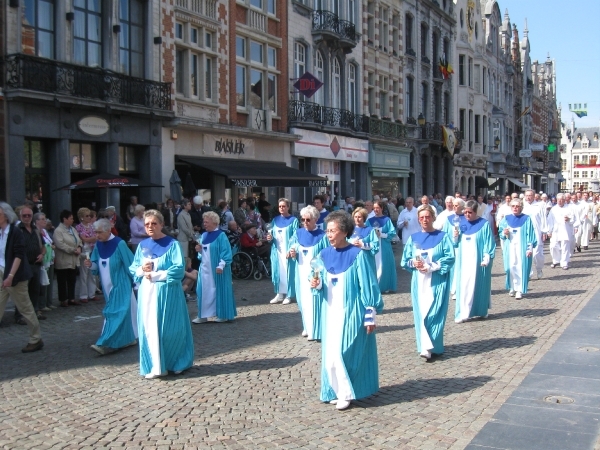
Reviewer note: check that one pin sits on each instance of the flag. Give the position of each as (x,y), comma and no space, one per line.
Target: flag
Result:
(449,139)
(526,111)
(580,114)
(445,67)
(578,110)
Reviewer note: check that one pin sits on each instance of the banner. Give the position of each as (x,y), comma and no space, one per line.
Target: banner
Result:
(449,139)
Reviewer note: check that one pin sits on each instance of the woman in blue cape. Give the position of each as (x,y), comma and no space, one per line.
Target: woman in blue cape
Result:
(385,263)
(475,253)
(110,260)
(164,330)
(518,237)
(350,299)
(364,235)
(282,267)
(215,287)
(307,243)
(429,255)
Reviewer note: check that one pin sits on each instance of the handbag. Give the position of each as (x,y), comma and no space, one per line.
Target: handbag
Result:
(44,280)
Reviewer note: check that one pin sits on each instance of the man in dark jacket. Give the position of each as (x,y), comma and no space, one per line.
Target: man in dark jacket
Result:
(117,222)
(15,274)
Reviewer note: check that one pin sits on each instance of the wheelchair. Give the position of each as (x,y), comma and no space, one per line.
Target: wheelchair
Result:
(246,263)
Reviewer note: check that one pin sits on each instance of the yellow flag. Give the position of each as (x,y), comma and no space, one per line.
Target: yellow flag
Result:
(449,140)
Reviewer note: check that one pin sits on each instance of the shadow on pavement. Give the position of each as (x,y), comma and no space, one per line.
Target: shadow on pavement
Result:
(536,295)
(566,275)
(413,390)
(210,369)
(522,313)
(484,346)
(387,328)
(399,309)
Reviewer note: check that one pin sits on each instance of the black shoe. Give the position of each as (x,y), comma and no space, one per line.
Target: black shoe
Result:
(585,248)
(579,248)
(29,348)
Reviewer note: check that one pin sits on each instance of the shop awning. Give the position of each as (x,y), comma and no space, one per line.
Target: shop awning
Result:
(495,184)
(245,173)
(481,182)
(518,183)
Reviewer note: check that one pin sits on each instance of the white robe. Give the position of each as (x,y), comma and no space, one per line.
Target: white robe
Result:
(413,223)
(537,212)
(561,241)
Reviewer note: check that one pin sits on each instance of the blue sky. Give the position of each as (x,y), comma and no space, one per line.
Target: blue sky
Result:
(570,33)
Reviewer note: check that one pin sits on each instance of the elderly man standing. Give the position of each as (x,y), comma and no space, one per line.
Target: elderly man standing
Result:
(537,213)
(442,217)
(15,274)
(586,212)
(408,221)
(562,221)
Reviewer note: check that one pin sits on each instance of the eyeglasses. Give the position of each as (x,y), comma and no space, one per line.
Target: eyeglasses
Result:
(151,224)
(25,215)
(305,220)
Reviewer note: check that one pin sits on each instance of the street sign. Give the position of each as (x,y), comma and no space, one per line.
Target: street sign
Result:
(525,153)
(524,169)
(537,147)
(308,84)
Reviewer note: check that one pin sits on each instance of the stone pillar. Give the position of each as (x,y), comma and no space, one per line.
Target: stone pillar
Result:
(60,175)
(107,160)
(150,169)
(15,173)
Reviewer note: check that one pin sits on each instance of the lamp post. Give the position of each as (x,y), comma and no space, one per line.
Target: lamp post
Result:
(421,121)
(497,142)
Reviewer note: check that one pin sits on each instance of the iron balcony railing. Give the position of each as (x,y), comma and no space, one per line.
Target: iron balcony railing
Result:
(386,128)
(44,75)
(328,21)
(433,131)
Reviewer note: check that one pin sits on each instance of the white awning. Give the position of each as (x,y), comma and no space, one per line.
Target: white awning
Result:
(518,183)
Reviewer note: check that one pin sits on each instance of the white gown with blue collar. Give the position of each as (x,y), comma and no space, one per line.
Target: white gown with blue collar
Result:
(429,291)
(349,368)
(308,244)
(321,219)
(517,265)
(476,244)
(385,263)
(283,268)
(165,333)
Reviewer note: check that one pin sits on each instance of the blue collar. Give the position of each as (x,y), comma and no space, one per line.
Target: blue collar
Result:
(516,221)
(283,222)
(378,222)
(473,227)
(338,260)
(106,249)
(158,246)
(361,232)
(309,238)
(428,240)
(322,216)
(208,237)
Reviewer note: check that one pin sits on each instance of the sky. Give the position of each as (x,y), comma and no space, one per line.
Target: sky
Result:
(569,31)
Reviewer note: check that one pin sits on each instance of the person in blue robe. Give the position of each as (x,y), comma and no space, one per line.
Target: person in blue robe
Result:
(451,224)
(385,263)
(164,330)
(350,300)
(305,244)
(214,289)
(364,235)
(475,251)
(519,238)
(429,255)
(111,259)
(282,266)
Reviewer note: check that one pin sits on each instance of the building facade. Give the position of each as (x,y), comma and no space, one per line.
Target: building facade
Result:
(580,159)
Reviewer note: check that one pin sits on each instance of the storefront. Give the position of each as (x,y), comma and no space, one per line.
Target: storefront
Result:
(389,170)
(342,160)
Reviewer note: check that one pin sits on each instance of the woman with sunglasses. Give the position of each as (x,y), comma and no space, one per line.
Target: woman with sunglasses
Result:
(87,281)
(282,266)
(475,250)
(429,255)
(305,244)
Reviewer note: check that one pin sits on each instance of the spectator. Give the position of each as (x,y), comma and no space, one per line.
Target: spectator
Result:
(263,208)
(68,248)
(250,242)
(190,276)
(117,222)
(225,215)
(241,214)
(133,201)
(48,262)
(233,233)
(319,203)
(136,227)
(86,284)
(185,227)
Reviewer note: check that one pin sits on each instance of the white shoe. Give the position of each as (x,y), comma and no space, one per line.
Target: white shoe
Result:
(453,296)
(199,320)
(333,402)
(304,333)
(287,301)
(278,299)
(99,349)
(151,376)
(518,296)
(511,293)
(342,404)
(460,320)
(178,372)
(540,274)
(426,354)
(217,320)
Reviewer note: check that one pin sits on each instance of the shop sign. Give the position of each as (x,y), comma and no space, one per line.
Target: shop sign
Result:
(228,147)
(235,147)
(537,147)
(243,182)
(93,126)
(525,153)
(314,144)
(317,183)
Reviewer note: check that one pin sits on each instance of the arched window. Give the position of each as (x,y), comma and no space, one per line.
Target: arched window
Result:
(336,84)
(352,102)
(299,64)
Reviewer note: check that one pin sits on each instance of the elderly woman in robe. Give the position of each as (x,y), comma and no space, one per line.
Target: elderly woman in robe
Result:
(165,334)
(350,300)
(282,267)
(305,244)
(385,262)
(111,259)
(429,255)
(215,287)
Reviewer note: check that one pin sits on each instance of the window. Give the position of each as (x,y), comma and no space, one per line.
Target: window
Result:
(584,159)
(477,129)
(437,104)
(194,35)
(447,107)
(575,159)
(256,3)
(584,145)
(484,81)
(319,96)
(87,33)
(256,52)
(477,78)
(408,32)
(240,86)
(424,99)
(352,11)
(194,75)
(395,33)
(371,23)
(384,32)
(127,159)
(576,174)
(208,79)
(82,156)
(35,172)
(38,28)
(424,40)
(371,92)
(131,38)
(352,103)
(179,70)
(208,40)
(462,121)
(240,47)
(195,64)
(271,7)
(470,72)
(336,84)
(471,131)
(395,102)
(271,57)
(299,64)
(461,70)
(256,82)
(409,102)
(384,107)
(584,174)
(435,42)
(179,30)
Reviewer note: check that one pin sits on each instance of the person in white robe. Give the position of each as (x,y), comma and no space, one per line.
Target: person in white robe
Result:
(283,267)
(562,221)
(350,301)
(537,213)
(429,255)
(408,222)
(111,259)
(164,330)
(503,209)
(586,217)
(306,243)
(475,252)
(581,209)
(442,217)
(214,289)
(519,240)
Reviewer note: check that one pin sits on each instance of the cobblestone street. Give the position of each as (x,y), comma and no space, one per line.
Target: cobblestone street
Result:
(255,382)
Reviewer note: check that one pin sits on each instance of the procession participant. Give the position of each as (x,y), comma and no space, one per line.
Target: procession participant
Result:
(111,259)
(214,290)
(519,238)
(453,222)
(319,203)
(164,331)
(407,220)
(385,263)
(587,214)
(475,253)
(350,299)
(562,222)
(429,255)
(369,208)
(504,208)
(442,217)
(364,235)
(306,243)
(537,213)
(282,268)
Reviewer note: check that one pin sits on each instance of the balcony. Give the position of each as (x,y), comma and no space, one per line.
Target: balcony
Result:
(513,161)
(207,8)
(432,131)
(338,33)
(386,128)
(306,113)
(24,72)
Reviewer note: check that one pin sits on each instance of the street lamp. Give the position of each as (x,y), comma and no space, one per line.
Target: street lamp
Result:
(497,142)
(421,119)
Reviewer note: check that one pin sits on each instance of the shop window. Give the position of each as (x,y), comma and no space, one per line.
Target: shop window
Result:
(82,156)
(127,159)
(35,173)
(37,36)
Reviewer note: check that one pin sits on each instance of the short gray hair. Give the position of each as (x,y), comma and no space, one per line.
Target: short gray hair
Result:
(154,213)
(37,216)
(472,204)
(311,211)
(11,217)
(212,217)
(139,208)
(102,225)
(343,221)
